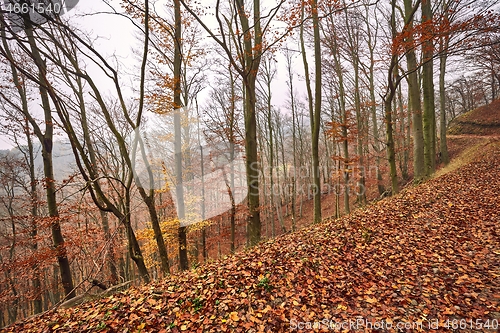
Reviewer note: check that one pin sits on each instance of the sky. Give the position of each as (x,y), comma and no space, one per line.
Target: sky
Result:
(118,41)
(115,39)
(119,37)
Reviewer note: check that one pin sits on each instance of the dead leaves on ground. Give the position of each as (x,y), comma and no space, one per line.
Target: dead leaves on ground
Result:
(431,254)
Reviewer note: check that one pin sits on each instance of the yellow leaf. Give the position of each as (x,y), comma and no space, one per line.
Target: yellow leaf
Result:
(448,311)
(234,316)
(295,303)
(141,326)
(341,307)
(371,300)
(184,328)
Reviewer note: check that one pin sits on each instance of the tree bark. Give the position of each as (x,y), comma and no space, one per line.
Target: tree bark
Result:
(46,140)
(317,113)
(391,91)
(373,105)
(443,45)
(183,257)
(414,97)
(354,50)
(429,119)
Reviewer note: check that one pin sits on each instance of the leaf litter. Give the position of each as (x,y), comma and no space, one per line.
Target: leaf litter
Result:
(428,255)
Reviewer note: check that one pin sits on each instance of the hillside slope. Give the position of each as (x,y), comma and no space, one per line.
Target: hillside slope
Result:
(428,258)
(484,120)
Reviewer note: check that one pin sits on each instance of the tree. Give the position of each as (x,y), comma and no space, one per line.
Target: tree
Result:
(354,48)
(429,113)
(414,92)
(224,128)
(61,46)
(392,82)
(316,116)
(183,258)
(343,123)
(248,38)
(293,107)
(444,42)
(371,33)
(44,135)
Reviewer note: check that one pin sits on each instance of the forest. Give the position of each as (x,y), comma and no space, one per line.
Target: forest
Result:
(193,130)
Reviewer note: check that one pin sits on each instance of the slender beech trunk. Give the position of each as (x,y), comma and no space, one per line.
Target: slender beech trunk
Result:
(30,161)
(268,78)
(317,113)
(252,58)
(405,149)
(443,46)
(37,301)
(344,124)
(183,256)
(46,140)
(232,216)
(110,261)
(310,100)
(149,197)
(353,40)
(281,196)
(373,105)
(48,167)
(414,96)
(429,119)
(294,142)
(232,143)
(391,91)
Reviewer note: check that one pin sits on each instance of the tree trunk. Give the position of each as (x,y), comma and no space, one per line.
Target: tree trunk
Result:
(405,148)
(391,154)
(48,168)
(294,143)
(252,58)
(414,97)
(429,119)
(391,91)
(252,165)
(442,100)
(373,111)
(317,114)
(353,40)
(183,256)
(267,70)
(343,121)
(111,257)
(135,250)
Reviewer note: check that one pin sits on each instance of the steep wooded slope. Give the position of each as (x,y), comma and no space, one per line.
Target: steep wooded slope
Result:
(428,256)
(484,120)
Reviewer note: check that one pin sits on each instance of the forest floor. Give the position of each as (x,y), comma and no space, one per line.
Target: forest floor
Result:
(427,259)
